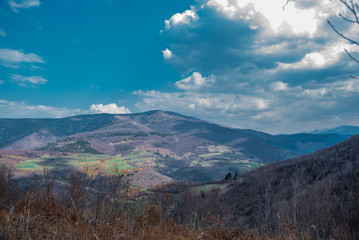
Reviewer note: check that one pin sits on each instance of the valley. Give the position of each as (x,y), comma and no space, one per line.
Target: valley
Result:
(169,144)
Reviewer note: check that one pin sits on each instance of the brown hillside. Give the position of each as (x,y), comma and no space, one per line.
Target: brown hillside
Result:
(316,193)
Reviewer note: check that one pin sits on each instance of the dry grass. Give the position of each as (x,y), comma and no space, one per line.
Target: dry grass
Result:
(103,209)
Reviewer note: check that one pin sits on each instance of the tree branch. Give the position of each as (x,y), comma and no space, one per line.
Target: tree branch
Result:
(352,9)
(342,35)
(286,3)
(351,56)
(347,19)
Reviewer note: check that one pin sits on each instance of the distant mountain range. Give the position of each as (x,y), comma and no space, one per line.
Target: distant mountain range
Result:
(179,146)
(343,130)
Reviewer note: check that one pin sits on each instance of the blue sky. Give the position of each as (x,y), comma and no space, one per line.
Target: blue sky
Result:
(240,63)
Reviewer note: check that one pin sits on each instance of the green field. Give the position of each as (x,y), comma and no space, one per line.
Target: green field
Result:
(89,162)
(221,157)
(32,164)
(215,151)
(105,163)
(140,158)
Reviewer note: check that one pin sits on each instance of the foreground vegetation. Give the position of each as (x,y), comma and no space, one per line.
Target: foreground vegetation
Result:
(104,207)
(95,207)
(312,197)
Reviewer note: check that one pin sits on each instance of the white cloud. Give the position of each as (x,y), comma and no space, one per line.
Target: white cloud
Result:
(329,55)
(279,86)
(109,108)
(275,48)
(167,54)
(274,108)
(282,36)
(275,70)
(200,102)
(351,85)
(292,20)
(195,81)
(315,93)
(10,58)
(23,81)
(2,32)
(33,67)
(224,6)
(23,4)
(1,82)
(12,109)
(187,17)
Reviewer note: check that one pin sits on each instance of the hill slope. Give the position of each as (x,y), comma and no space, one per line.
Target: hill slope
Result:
(317,193)
(177,146)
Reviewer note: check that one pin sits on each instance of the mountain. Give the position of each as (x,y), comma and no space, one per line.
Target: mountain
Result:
(317,193)
(343,130)
(177,146)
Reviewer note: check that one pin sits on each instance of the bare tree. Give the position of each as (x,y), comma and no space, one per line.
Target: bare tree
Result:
(49,180)
(295,185)
(6,174)
(352,18)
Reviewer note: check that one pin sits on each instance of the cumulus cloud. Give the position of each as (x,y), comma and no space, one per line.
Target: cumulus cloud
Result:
(15,4)
(11,58)
(229,34)
(195,82)
(109,108)
(185,18)
(276,108)
(24,81)
(259,66)
(167,54)
(279,86)
(297,18)
(331,54)
(13,109)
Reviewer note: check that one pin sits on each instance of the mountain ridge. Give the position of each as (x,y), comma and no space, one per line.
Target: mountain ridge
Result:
(178,146)
(343,130)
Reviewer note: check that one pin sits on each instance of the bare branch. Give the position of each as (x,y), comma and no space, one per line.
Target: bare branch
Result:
(352,9)
(347,19)
(286,3)
(342,35)
(351,56)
